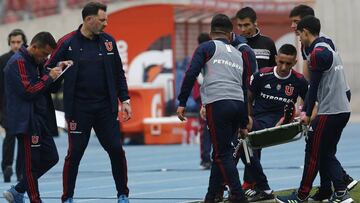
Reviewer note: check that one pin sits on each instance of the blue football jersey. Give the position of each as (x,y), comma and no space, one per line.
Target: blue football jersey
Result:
(271,93)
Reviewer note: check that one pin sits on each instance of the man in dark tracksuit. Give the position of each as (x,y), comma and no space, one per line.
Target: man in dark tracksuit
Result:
(249,58)
(328,86)
(271,89)
(15,39)
(223,93)
(265,52)
(92,88)
(263,46)
(31,115)
(324,191)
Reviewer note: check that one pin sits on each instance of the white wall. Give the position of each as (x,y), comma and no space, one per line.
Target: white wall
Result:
(340,20)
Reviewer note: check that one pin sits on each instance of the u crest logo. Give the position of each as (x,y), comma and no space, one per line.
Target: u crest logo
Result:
(72,125)
(34,139)
(109,46)
(289,90)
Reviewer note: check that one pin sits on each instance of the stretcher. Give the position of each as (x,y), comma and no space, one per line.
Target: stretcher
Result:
(276,135)
(270,137)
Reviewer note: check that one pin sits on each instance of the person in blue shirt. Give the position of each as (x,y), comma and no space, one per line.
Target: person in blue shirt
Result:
(224,95)
(328,86)
(31,114)
(271,89)
(93,87)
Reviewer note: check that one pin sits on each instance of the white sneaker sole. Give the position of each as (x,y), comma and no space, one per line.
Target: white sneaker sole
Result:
(352,185)
(311,200)
(9,197)
(348,201)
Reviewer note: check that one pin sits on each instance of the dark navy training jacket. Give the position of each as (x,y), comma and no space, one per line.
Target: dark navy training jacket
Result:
(70,47)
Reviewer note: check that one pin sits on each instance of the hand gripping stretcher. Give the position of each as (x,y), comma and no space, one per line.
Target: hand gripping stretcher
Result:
(269,137)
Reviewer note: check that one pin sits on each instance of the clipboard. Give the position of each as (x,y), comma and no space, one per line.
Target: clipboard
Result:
(63,71)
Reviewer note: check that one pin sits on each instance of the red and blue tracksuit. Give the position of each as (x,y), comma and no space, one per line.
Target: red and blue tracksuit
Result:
(31,117)
(329,87)
(224,95)
(249,58)
(325,181)
(92,88)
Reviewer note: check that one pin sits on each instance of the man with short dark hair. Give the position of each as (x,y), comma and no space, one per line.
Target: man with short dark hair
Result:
(28,86)
(324,192)
(16,38)
(265,52)
(224,95)
(263,46)
(90,104)
(328,87)
(270,90)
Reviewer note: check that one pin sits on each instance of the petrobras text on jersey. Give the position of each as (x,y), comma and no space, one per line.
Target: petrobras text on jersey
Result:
(339,67)
(227,63)
(282,99)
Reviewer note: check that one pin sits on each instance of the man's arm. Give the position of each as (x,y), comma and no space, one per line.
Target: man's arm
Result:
(247,72)
(59,53)
(248,54)
(251,99)
(56,56)
(306,71)
(18,78)
(321,60)
(198,61)
(249,59)
(122,87)
(304,87)
(201,55)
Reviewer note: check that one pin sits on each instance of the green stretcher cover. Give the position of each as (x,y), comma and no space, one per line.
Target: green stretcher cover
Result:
(276,135)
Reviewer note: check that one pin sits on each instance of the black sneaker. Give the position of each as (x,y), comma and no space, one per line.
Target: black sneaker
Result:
(7,174)
(350,182)
(341,198)
(249,193)
(260,195)
(321,195)
(205,165)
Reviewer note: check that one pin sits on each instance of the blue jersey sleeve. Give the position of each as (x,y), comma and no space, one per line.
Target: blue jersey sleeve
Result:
(250,63)
(56,56)
(59,53)
(255,83)
(303,88)
(321,60)
(18,77)
(201,55)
